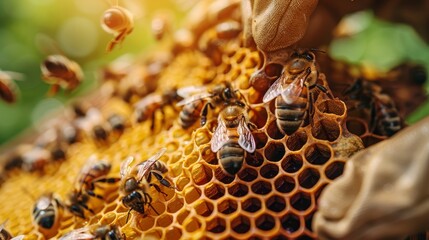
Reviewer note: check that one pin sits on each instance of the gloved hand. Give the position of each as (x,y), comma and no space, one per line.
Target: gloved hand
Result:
(383,193)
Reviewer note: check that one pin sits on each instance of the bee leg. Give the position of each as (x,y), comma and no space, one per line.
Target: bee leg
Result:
(204,113)
(152,125)
(148,201)
(161,179)
(93,194)
(158,189)
(128,215)
(324,90)
(53,90)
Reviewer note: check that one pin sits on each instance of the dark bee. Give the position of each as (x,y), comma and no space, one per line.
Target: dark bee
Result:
(9,91)
(136,188)
(196,105)
(103,232)
(59,71)
(384,117)
(232,138)
(5,235)
(146,108)
(46,212)
(293,91)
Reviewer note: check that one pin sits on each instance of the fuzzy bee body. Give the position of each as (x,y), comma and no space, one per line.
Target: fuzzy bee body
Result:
(103,232)
(46,212)
(290,116)
(190,113)
(386,117)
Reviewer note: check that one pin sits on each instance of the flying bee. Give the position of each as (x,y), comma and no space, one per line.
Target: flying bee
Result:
(293,91)
(196,105)
(9,91)
(232,137)
(60,71)
(5,235)
(46,212)
(92,173)
(384,116)
(146,108)
(136,188)
(103,232)
(117,21)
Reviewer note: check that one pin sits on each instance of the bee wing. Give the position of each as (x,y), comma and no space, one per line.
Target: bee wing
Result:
(148,100)
(245,139)
(19,237)
(78,234)
(2,225)
(275,89)
(47,45)
(220,136)
(193,98)
(186,92)
(14,75)
(293,90)
(146,165)
(43,202)
(125,166)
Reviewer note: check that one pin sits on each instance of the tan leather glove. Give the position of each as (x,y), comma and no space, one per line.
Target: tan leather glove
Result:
(383,193)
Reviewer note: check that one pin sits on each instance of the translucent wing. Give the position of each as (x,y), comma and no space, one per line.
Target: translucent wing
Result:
(194,98)
(125,166)
(220,136)
(43,202)
(13,75)
(148,100)
(274,90)
(2,225)
(146,165)
(245,139)
(186,92)
(19,237)
(78,234)
(293,90)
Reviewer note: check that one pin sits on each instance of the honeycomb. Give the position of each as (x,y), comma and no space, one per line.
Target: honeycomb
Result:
(274,196)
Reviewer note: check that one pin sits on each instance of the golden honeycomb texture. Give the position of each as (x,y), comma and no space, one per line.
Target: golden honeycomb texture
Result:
(274,196)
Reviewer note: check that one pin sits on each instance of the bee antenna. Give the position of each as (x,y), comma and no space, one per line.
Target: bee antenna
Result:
(317,50)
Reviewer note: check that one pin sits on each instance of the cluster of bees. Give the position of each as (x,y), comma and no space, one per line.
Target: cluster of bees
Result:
(293,91)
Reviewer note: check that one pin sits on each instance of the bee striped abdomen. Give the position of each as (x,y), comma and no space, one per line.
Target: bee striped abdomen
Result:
(45,218)
(289,117)
(389,121)
(190,113)
(231,155)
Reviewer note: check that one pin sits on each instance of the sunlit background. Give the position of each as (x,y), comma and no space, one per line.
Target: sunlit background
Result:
(74,25)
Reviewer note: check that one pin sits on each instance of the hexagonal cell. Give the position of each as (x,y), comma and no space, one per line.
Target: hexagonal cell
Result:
(356,126)
(261,187)
(153,234)
(297,140)
(318,154)
(255,159)
(157,206)
(204,208)
(251,205)
(274,151)
(273,131)
(222,176)
(260,139)
(192,224)
(190,159)
(209,156)
(175,205)
(308,178)
(265,222)
(276,203)
(332,106)
(326,129)
(191,194)
(248,174)
(290,222)
(334,170)
(173,233)
(269,171)
(201,174)
(301,201)
(216,225)
(284,184)
(238,190)
(292,163)
(214,191)
(258,116)
(164,220)
(227,206)
(202,136)
(240,224)
(181,217)
(181,182)
(144,224)
(273,70)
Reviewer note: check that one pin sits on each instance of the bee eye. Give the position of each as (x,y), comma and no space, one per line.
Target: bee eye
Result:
(308,56)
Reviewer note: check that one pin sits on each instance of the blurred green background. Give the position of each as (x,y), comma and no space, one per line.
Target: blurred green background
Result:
(75,26)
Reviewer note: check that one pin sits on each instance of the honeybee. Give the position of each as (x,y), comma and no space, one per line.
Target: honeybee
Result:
(5,235)
(233,137)
(92,173)
(103,232)
(117,21)
(59,71)
(9,91)
(146,108)
(384,116)
(136,188)
(196,105)
(293,91)
(156,168)
(34,158)
(160,25)
(94,125)
(46,212)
